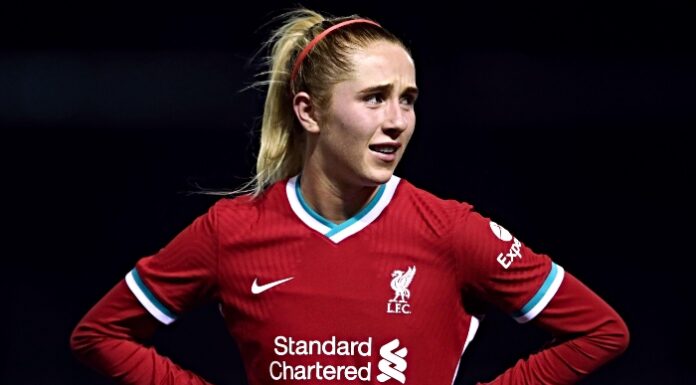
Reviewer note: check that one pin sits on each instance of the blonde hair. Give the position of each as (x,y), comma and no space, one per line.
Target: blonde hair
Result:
(281,153)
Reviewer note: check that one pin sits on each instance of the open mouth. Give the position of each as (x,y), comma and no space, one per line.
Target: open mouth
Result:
(387,148)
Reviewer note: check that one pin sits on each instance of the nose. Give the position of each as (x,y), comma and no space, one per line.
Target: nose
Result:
(397,117)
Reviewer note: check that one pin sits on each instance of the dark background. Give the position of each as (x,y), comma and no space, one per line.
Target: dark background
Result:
(568,124)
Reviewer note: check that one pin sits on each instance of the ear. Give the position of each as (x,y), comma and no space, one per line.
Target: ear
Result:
(305,112)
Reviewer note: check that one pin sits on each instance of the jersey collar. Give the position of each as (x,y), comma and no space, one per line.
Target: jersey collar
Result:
(359,221)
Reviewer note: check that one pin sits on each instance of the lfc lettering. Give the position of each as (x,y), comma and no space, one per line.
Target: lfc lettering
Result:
(394,307)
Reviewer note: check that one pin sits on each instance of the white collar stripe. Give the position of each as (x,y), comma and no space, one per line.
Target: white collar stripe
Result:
(309,209)
(296,206)
(337,233)
(337,228)
(370,216)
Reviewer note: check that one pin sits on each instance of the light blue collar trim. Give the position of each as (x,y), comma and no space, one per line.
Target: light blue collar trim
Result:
(338,232)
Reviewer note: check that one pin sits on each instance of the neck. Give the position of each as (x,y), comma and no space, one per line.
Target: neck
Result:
(333,199)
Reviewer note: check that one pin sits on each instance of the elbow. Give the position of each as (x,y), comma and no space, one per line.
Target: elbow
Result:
(614,336)
(622,336)
(79,341)
(84,340)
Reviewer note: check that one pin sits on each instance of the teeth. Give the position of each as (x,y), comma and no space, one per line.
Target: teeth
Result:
(383,149)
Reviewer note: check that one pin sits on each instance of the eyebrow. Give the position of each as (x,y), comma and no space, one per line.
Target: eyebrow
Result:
(387,88)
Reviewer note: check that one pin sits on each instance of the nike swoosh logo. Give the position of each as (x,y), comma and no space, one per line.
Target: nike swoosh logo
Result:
(257,289)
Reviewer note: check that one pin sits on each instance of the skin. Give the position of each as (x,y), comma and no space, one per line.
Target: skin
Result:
(341,173)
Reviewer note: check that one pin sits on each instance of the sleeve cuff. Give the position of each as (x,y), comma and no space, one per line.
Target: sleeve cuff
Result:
(543,296)
(147,299)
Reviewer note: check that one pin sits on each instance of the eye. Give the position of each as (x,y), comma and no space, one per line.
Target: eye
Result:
(374,99)
(408,100)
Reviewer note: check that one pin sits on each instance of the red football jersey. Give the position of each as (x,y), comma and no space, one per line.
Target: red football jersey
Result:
(369,300)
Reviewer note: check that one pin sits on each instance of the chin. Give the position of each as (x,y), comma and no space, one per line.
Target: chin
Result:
(380,176)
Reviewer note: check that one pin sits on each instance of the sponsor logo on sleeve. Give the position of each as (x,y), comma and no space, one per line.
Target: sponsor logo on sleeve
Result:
(506,259)
(500,232)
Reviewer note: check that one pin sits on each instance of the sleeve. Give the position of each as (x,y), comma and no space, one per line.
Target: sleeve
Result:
(181,275)
(495,266)
(587,333)
(111,337)
(502,270)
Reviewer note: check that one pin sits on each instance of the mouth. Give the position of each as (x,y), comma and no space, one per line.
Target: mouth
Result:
(385,151)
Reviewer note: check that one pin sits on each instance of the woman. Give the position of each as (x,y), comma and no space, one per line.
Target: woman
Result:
(333,269)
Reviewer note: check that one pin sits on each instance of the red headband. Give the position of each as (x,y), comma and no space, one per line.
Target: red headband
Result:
(305,51)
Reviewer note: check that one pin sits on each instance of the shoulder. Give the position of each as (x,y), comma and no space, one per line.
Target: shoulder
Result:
(440,214)
(232,206)
(248,202)
(429,201)
(243,211)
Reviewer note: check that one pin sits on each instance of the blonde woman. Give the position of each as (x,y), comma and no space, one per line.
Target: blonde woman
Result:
(331,269)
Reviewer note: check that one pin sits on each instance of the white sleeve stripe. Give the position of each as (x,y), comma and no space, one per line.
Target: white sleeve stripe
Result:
(542,297)
(141,293)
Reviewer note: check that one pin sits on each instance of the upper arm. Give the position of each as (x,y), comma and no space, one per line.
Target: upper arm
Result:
(181,275)
(495,266)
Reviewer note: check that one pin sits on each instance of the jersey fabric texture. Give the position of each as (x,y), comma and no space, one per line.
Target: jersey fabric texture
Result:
(341,287)
(370,300)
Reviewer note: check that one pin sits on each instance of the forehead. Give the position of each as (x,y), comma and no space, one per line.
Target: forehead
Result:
(382,63)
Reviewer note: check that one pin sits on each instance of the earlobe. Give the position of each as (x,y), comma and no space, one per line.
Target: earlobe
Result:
(305,112)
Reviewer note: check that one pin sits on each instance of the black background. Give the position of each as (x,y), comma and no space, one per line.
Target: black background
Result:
(568,124)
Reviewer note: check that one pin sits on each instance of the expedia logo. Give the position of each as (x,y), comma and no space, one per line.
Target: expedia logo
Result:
(501,233)
(506,259)
(392,364)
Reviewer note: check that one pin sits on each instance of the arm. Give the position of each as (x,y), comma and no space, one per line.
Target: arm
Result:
(497,268)
(177,278)
(110,339)
(588,333)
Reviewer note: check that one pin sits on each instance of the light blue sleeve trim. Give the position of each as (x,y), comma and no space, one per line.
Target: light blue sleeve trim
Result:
(147,299)
(542,297)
